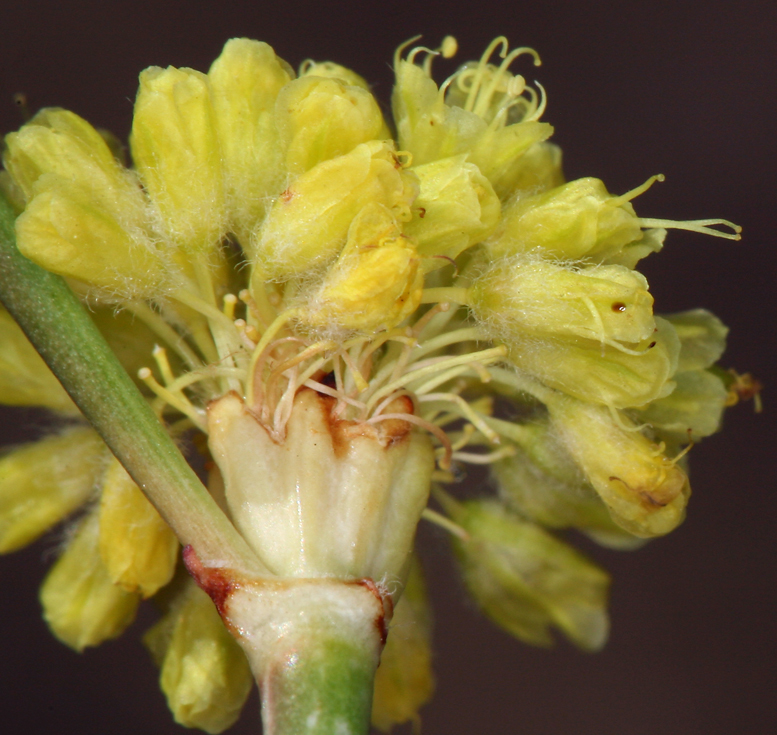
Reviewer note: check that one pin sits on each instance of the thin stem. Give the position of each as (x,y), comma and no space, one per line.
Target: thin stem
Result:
(61,330)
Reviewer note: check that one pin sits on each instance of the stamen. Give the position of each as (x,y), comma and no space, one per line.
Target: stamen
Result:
(419,325)
(466,411)
(702,226)
(280,321)
(165,332)
(634,193)
(176,400)
(327,391)
(241,326)
(490,458)
(443,378)
(445,462)
(490,355)
(616,417)
(390,399)
(296,360)
(539,111)
(401,48)
(484,97)
(230,301)
(261,316)
(444,522)
(466,435)
(355,373)
(160,355)
(482,67)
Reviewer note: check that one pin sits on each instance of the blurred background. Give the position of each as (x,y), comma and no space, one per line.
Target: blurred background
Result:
(634,88)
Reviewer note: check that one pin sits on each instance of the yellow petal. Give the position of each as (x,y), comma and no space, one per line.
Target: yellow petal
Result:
(527,294)
(81,604)
(455,209)
(244,82)
(374,284)
(60,142)
(319,119)
(43,482)
(67,231)
(526,580)
(330,70)
(603,375)
(309,222)
(25,380)
(176,150)
(204,673)
(645,492)
(404,681)
(138,548)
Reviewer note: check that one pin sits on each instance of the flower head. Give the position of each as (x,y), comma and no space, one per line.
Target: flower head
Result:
(342,320)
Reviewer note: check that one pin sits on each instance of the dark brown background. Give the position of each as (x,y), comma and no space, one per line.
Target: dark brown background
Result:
(635,88)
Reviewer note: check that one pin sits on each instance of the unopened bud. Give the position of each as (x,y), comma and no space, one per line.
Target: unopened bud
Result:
(456,208)
(138,548)
(176,150)
(404,681)
(374,284)
(81,604)
(319,119)
(526,580)
(309,222)
(42,483)
(645,491)
(520,295)
(204,673)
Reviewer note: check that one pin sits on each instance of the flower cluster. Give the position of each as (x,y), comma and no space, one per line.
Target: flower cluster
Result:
(339,319)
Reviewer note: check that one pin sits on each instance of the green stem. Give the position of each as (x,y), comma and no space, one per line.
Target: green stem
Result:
(61,330)
(319,689)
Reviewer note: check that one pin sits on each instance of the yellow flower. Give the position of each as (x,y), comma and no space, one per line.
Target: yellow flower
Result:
(327,317)
(204,674)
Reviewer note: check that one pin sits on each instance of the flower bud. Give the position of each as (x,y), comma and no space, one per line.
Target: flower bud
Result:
(319,119)
(374,284)
(694,409)
(12,192)
(138,548)
(334,498)
(245,81)
(65,230)
(81,604)
(498,154)
(176,150)
(25,380)
(422,117)
(526,580)
(542,482)
(330,70)
(481,111)
(645,491)
(309,222)
(204,674)
(702,338)
(404,681)
(60,142)
(43,482)
(576,220)
(456,208)
(537,170)
(599,374)
(606,303)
